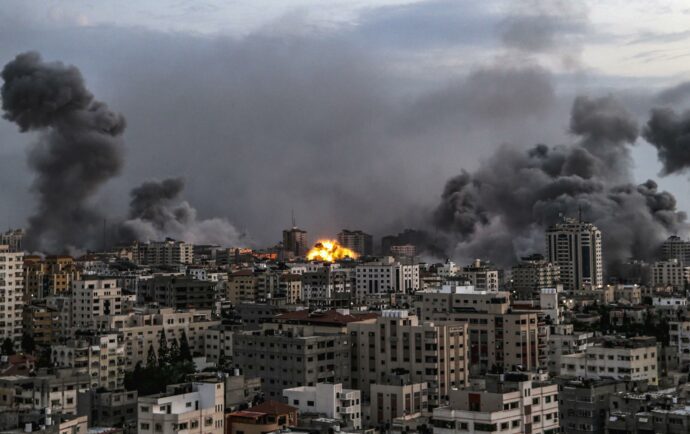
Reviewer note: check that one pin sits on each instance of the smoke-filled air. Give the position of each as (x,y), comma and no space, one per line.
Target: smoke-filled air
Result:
(500,211)
(77,150)
(156,211)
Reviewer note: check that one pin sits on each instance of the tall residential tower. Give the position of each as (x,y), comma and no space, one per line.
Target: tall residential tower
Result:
(575,246)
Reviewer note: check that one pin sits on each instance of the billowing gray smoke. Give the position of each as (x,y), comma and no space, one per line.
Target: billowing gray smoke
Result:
(156,212)
(78,150)
(669,132)
(501,210)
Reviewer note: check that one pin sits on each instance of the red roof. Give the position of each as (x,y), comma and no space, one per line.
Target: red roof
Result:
(273,408)
(329,317)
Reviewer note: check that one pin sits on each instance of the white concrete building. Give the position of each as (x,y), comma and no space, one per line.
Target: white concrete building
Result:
(92,299)
(11,294)
(328,399)
(626,359)
(514,405)
(661,302)
(385,276)
(548,302)
(184,408)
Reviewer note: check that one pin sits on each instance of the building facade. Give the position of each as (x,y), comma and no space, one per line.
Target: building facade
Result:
(575,246)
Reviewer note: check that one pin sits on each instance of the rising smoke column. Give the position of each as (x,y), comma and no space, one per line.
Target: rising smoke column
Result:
(501,210)
(156,211)
(669,133)
(78,150)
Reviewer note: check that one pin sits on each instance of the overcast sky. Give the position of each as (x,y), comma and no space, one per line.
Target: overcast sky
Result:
(351,113)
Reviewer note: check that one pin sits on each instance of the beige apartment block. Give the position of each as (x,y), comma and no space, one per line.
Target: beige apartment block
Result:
(432,352)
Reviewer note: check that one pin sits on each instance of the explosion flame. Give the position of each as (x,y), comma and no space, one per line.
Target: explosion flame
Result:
(329,251)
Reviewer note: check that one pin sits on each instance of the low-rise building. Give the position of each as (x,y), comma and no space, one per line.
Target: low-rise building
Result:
(618,358)
(190,408)
(270,416)
(511,404)
(330,400)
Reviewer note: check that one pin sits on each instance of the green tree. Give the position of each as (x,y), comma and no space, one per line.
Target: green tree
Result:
(7,347)
(28,343)
(163,351)
(185,351)
(174,351)
(151,359)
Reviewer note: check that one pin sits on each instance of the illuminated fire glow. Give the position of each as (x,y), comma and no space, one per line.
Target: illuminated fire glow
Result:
(329,251)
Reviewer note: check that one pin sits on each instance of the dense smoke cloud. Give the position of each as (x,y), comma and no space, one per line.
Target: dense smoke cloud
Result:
(669,133)
(500,211)
(156,212)
(78,150)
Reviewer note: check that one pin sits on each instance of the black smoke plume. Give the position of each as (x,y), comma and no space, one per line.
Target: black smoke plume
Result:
(501,210)
(669,133)
(78,149)
(156,211)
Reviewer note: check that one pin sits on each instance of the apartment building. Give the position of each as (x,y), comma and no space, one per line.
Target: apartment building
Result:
(330,400)
(480,275)
(13,239)
(179,292)
(108,407)
(498,336)
(196,407)
(385,276)
(50,276)
(434,353)
(672,272)
(584,404)
(11,294)
(168,252)
(290,288)
(533,273)
(512,403)
(398,401)
(357,241)
(676,248)
(292,356)
(92,299)
(241,287)
(575,246)
(42,323)
(57,391)
(102,358)
(564,340)
(141,330)
(322,287)
(679,341)
(618,358)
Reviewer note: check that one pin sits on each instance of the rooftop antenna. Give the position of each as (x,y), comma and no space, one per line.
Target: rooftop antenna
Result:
(294,225)
(579,213)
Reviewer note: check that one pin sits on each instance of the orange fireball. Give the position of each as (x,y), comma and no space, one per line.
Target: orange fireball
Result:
(329,251)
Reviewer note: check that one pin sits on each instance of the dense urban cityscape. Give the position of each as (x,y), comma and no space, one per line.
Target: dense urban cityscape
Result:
(344,335)
(344,217)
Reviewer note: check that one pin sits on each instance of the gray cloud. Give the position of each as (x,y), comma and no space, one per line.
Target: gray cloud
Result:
(156,211)
(501,210)
(77,152)
(669,133)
